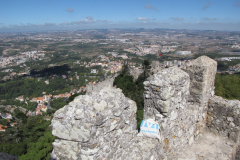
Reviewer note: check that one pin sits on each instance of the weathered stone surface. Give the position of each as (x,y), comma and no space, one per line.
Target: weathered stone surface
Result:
(135,73)
(64,149)
(207,147)
(202,73)
(92,122)
(102,125)
(223,117)
(166,101)
(100,85)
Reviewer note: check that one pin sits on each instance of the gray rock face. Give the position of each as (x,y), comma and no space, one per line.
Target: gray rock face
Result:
(92,125)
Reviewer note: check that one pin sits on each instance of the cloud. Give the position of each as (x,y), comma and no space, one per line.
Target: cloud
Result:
(142,18)
(89,17)
(198,22)
(177,18)
(237,4)
(105,21)
(87,20)
(64,23)
(206,6)
(209,19)
(48,24)
(150,7)
(70,9)
(34,25)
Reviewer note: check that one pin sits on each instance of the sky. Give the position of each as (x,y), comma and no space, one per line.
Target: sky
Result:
(44,15)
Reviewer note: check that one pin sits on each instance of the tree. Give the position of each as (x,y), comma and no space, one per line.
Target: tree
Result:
(108,73)
(58,103)
(4,122)
(41,149)
(133,90)
(125,68)
(22,116)
(227,86)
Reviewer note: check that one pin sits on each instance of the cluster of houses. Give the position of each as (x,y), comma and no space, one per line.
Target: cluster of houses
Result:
(178,63)
(227,58)
(20,58)
(110,66)
(142,50)
(41,101)
(235,68)
(237,46)
(8,117)
(34,54)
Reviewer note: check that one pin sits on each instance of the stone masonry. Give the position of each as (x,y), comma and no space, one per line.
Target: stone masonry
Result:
(92,125)
(223,117)
(102,125)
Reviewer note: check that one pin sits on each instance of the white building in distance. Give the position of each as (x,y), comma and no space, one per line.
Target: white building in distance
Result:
(183,52)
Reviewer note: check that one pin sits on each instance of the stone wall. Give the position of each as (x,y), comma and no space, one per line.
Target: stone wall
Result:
(135,73)
(202,73)
(166,101)
(100,85)
(223,117)
(94,126)
(178,101)
(102,124)
(156,66)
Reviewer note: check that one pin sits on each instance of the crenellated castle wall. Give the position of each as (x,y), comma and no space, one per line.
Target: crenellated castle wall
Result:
(102,125)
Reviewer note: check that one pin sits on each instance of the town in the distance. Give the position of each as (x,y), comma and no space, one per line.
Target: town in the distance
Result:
(41,71)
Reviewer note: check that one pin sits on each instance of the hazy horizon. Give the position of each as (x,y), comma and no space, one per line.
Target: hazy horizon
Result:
(49,15)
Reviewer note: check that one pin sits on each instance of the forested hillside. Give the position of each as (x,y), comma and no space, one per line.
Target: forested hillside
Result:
(30,139)
(228,86)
